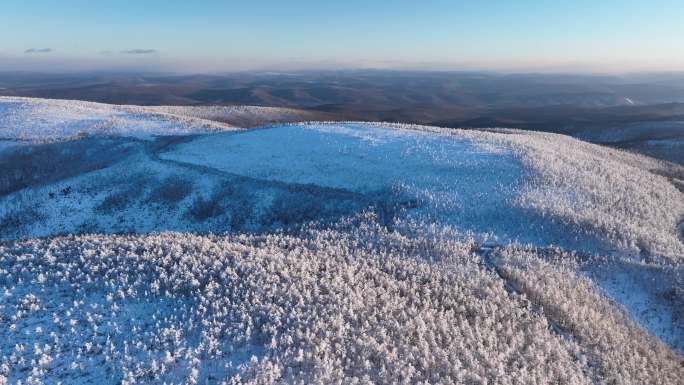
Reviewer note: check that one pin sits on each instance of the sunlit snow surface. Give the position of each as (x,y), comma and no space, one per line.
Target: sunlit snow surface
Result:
(46,119)
(356,157)
(432,178)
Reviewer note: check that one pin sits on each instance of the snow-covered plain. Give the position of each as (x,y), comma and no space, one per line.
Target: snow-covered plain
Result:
(410,267)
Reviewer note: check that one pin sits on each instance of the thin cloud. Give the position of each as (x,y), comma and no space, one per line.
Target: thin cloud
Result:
(38,50)
(139,51)
(105,52)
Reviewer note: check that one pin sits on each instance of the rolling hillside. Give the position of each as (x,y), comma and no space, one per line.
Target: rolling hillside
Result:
(171,244)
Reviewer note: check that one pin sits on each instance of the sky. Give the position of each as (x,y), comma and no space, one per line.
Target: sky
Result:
(214,36)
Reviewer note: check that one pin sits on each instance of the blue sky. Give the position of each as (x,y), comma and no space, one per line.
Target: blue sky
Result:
(214,35)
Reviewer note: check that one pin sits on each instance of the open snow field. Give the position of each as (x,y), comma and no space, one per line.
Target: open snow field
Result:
(430,177)
(346,252)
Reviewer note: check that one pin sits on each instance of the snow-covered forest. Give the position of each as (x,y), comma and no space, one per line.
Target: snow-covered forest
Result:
(169,245)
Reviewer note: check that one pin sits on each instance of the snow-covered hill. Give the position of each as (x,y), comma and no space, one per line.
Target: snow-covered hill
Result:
(532,187)
(52,119)
(453,234)
(240,116)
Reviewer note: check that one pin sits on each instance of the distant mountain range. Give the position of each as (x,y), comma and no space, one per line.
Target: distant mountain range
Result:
(586,106)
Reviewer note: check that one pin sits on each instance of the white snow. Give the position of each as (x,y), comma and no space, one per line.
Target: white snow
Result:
(649,293)
(438,178)
(532,187)
(47,119)
(132,195)
(53,119)
(241,116)
(319,306)
(412,285)
(356,157)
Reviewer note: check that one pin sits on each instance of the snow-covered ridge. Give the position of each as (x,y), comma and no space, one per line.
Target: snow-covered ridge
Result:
(53,119)
(240,116)
(48,119)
